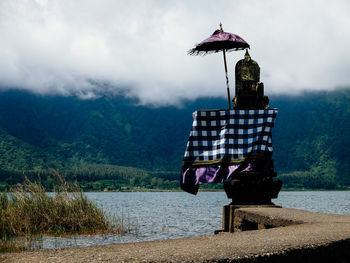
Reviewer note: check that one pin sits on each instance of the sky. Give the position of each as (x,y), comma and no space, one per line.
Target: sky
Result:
(87,48)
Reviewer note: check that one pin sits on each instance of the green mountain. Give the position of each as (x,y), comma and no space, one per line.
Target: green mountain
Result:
(312,137)
(113,138)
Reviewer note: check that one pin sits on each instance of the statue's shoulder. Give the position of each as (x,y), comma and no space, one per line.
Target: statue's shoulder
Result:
(241,61)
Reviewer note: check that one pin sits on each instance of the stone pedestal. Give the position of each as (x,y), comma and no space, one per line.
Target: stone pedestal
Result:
(232,223)
(255,187)
(252,189)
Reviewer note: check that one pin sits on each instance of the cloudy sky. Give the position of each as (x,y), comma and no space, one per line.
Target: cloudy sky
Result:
(67,46)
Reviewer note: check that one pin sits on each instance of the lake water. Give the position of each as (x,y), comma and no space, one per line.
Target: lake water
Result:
(163,215)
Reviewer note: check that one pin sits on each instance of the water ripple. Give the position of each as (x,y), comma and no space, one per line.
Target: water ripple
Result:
(163,215)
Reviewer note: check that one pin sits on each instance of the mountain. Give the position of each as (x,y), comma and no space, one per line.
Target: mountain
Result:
(37,133)
(312,137)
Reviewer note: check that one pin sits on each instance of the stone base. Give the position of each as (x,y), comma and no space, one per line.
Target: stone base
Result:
(257,191)
(231,223)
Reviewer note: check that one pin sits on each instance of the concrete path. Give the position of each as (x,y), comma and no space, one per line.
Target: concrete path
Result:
(298,236)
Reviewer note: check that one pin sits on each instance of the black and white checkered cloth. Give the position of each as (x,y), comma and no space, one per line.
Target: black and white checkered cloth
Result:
(228,135)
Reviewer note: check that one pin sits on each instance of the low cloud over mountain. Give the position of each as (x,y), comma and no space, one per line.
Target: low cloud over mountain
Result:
(66,47)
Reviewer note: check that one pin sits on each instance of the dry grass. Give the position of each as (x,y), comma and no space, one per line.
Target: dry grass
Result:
(27,211)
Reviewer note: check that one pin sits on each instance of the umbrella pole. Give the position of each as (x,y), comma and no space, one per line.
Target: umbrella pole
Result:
(228,88)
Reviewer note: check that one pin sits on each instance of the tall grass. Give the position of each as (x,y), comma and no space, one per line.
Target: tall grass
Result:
(27,210)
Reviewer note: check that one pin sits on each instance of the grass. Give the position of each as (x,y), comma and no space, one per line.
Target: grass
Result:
(28,210)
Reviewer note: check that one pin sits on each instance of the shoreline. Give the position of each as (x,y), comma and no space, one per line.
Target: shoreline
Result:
(214,190)
(282,235)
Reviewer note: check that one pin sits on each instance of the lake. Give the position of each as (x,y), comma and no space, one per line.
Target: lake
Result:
(163,215)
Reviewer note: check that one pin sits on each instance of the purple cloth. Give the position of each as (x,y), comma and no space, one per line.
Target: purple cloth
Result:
(192,177)
(218,174)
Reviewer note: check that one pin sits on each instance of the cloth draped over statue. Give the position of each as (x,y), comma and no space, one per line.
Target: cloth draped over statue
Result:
(222,142)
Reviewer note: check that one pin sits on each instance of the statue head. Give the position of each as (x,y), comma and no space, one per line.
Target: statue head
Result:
(247,57)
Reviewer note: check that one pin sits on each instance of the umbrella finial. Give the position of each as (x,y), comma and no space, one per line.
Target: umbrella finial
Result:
(221,27)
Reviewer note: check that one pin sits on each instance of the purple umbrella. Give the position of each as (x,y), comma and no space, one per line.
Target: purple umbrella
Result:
(220,41)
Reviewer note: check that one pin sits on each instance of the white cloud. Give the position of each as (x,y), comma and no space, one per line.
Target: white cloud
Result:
(59,46)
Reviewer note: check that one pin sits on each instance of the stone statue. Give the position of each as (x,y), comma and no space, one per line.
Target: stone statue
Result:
(247,76)
(249,90)
(255,186)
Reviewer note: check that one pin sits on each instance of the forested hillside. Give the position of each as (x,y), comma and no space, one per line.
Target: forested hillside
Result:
(312,137)
(112,142)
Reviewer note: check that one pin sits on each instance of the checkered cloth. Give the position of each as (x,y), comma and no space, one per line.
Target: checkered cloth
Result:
(228,136)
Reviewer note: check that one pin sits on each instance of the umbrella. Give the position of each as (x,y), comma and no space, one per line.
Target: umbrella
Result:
(220,41)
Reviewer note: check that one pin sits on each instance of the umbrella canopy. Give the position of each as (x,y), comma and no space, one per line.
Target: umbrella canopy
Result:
(220,41)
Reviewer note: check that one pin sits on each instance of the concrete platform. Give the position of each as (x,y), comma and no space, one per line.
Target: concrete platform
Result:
(292,236)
